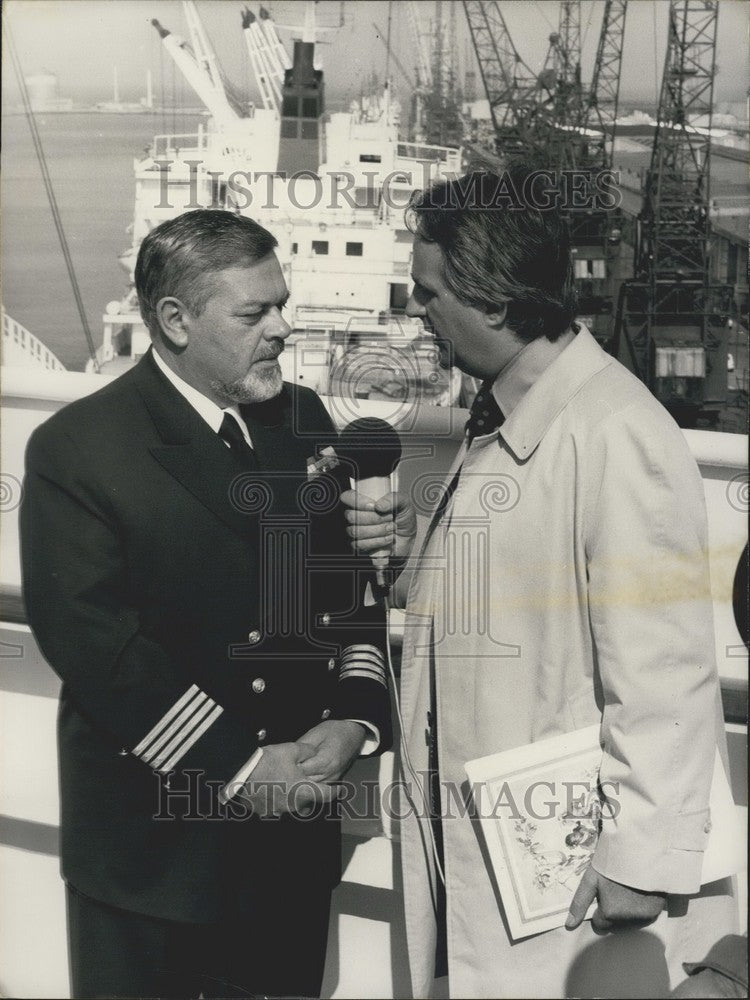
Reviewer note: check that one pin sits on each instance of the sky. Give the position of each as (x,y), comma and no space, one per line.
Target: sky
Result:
(82,40)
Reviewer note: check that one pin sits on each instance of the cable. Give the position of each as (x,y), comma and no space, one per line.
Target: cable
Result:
(656,63)
(405,750)
(39,149)
(539,8)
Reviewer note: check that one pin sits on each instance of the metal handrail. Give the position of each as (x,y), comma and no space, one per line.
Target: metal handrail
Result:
(14,332)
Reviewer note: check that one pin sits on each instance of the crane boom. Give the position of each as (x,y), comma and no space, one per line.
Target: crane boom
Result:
(510,85)
(212,94)
(281,57)
(673,315)
(600,111)
(255,47)
(424,72)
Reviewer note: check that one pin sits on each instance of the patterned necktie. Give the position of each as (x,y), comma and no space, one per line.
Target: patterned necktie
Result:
(485,416)
(231,433)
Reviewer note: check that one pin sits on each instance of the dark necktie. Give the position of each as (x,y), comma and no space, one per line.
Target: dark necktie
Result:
(231,433)
(485,416)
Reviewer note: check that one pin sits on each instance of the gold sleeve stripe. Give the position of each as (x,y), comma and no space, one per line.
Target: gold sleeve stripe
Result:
(363,658)
(189,725)
(193,738)
(166,719)
(366,672)
(176,725)
(358,648)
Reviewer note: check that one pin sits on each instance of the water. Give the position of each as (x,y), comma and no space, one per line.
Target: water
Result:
(90,159)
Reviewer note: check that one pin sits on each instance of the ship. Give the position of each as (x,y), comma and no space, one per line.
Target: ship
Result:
(332,188)
(365,358)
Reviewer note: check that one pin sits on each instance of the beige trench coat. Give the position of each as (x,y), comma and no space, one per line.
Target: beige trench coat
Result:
(568,584)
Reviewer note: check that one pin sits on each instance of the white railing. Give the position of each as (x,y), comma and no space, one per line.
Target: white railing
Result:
(21,343)
(178,143)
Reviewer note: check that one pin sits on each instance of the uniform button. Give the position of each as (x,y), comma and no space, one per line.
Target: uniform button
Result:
(325,714)
(331,664)
(325,619)
(254,636)
(123,752)
(261,734)
(259,685)
(708,826)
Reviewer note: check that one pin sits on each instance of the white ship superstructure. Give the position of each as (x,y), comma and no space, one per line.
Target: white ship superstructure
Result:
(331,188)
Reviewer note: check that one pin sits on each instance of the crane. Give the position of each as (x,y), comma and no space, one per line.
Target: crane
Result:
(267,71)
(672,317)
(600,109)
(510,85)
(209,87)
(543,120)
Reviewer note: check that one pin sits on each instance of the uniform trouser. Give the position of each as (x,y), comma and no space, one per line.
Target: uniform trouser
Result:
(273,944)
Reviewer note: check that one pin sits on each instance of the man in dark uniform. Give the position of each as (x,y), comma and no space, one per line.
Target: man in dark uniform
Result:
(188,575)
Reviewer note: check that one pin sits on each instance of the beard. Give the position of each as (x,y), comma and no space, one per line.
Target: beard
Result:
(260,383)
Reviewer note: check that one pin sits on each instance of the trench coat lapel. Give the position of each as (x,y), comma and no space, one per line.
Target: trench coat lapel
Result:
(191,452)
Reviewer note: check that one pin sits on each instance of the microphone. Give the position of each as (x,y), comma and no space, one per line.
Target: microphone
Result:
(373,449)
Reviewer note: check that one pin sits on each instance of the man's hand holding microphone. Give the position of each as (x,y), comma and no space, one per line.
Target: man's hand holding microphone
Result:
(381,524)
(386,526)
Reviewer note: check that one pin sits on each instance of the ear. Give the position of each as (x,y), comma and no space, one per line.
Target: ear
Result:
(496,316)
(174,320)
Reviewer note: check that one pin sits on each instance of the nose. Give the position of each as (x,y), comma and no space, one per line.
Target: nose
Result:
(414,309)
(278,326)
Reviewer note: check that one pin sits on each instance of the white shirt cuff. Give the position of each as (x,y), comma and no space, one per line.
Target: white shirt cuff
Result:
(232,787)
(372,741)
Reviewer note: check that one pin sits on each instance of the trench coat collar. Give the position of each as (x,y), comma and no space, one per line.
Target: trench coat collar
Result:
(529,421)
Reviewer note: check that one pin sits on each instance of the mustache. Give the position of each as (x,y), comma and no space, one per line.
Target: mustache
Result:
(272,354)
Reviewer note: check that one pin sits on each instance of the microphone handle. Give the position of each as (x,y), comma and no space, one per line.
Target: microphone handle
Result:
(374,488)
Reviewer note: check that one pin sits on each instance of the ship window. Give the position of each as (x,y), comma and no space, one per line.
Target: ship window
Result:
(309,107)
(369,158)
(289,106)
(289,128)
(353,249)
(320,247)
(295,248)
(310,129)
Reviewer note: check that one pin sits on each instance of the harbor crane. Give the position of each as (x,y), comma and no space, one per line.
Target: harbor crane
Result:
(208,87)
(672,327)
(546,120)
(264,59)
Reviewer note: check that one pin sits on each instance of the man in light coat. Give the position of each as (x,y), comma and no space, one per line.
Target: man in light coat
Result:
(563,582)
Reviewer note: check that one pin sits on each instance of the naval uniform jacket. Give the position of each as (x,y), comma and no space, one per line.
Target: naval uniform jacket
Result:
(195,611)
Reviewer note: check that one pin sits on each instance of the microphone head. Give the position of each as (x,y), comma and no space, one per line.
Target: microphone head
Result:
(371,446)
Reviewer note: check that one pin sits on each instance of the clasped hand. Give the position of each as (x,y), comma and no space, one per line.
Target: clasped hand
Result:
(297,777)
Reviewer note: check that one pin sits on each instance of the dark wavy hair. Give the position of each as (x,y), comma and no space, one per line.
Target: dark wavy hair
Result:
(497,250)
(177,255)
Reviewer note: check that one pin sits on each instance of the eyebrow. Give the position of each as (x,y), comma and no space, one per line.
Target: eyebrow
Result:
(255,304)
